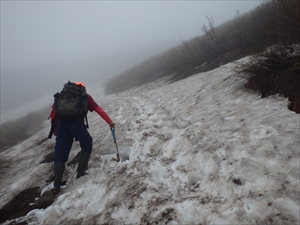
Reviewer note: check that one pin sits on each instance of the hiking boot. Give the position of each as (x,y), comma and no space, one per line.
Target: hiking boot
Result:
(59,168)
(83,164)
(55,191)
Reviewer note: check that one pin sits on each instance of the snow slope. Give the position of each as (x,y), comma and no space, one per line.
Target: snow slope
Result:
(203,150)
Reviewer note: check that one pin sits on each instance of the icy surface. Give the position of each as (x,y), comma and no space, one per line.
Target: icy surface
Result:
(202,150)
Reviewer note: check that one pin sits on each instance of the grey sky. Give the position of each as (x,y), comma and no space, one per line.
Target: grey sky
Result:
(84,34)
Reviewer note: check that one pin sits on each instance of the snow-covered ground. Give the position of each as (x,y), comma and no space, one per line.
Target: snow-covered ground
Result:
(202,150)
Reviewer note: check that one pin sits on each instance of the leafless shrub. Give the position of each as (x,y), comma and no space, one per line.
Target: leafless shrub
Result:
(276,70)
(281,20)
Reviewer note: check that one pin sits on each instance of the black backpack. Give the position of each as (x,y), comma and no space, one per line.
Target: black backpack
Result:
(71,103)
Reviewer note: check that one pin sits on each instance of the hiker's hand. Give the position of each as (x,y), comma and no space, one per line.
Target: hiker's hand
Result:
(112,125)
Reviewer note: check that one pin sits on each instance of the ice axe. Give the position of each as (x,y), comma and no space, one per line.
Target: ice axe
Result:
(115,141)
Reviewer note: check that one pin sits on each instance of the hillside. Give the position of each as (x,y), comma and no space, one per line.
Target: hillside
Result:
(208,133)
(273,23)
(269,33)
(202,150)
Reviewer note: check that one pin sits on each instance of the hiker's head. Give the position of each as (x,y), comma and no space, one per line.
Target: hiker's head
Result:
(80,83)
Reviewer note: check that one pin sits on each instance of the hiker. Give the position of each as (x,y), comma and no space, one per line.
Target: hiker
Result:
(66,129)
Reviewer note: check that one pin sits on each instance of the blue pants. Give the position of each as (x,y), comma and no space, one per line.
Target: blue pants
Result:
(66,131)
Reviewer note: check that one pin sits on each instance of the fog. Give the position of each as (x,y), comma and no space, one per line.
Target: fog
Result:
(46,43)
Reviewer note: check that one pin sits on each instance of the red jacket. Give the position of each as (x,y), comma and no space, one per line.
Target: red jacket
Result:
(92,106)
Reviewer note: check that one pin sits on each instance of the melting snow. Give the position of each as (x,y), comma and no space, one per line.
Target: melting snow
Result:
(202,150)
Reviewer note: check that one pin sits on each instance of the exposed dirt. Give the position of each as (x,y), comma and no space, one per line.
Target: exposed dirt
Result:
(48,158)
(24,202)
(30,198)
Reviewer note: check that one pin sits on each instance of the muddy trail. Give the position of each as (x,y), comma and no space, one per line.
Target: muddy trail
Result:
(31,198)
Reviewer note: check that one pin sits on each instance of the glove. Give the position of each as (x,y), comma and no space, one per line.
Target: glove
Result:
(112,125)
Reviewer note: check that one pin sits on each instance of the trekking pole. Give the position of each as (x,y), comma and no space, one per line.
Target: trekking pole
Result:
(115,141)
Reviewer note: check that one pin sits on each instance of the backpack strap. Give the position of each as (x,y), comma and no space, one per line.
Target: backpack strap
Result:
(50,115)
(52,129)
(86,121)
